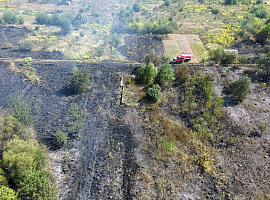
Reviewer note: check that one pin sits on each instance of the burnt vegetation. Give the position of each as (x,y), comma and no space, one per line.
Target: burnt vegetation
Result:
(93,106)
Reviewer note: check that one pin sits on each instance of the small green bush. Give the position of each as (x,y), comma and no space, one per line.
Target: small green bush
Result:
(60,139)
(79,82)
(153,93)
(22,111)
(264,63)
(240,88)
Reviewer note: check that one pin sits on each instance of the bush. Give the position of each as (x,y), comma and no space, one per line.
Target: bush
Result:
(20,19)
(220,56)
(27,44)
(38,185)
(82,33)
(264,62)
(22,111)
(146,74)
(165,75)
(263,34)
(136,7)
(7,193)
(10,17)
(152,57)
(154,93)
(9,126)
(20,156)
(60,138)
(78,82)
(182,73)
(240,88)
(243,59)
(42,18)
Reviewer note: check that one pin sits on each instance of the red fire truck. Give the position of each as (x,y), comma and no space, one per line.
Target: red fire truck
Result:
(182,58)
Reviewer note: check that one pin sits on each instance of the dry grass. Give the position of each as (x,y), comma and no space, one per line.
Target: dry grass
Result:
(29,73)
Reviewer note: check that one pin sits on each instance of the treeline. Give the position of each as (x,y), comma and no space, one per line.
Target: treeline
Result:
(129,22)
(63,21)
(23,173)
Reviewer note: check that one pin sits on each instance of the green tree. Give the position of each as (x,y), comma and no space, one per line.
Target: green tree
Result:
(7,193)
(165,75)
(146,74)
(240,88)
(264,63)
(20,156)
(37,185)
(153,93)
(78,82)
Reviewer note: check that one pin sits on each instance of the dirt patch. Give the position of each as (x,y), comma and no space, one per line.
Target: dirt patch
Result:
(12,35)
(136,47)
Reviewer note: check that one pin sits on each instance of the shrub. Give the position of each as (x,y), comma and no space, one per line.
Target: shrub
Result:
(20,156)
(60,138)
(9,17)
(9,126)
(240,88)
(7,193)
(78,82)
(146,74)
(20,19)
(220,56)
(154,93)
(82,33)
(38,185)
(243,59)
(42,18)
(263,34)
(136,7)
(22,111)
(27,44)
(264,62)
(182,73)
(152,57)
(165,75)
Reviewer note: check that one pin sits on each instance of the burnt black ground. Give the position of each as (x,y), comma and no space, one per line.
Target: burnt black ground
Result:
(102,163)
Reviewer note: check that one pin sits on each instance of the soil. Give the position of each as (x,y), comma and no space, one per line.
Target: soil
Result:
(136,47)
(10,41)
(109,157)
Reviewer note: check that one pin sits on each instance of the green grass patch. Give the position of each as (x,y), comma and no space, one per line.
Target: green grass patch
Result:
(199,50)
